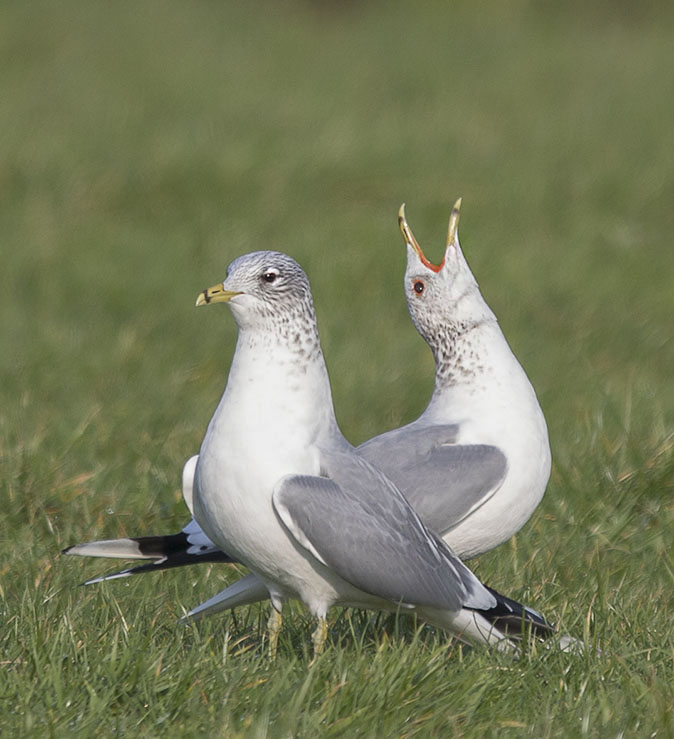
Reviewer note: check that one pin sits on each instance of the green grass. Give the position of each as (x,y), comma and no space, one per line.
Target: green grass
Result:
(145,145)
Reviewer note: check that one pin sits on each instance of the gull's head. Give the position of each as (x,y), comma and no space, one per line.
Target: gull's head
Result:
(264,289)
(444,295)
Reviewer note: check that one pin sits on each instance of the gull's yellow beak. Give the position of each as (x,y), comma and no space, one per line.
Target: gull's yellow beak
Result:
(406,231)
(215,294)
(408,238)
(452,232)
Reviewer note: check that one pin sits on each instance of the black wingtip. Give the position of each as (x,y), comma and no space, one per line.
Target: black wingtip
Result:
(513,618)
(166,552)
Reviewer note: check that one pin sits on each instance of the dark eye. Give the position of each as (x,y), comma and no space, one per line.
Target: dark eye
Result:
(269,276)
(419,287)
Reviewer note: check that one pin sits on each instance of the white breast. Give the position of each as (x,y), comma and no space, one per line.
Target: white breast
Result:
(499,407)
(263,429)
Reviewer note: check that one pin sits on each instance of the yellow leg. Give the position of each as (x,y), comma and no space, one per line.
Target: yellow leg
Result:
(318,638)
(273,630)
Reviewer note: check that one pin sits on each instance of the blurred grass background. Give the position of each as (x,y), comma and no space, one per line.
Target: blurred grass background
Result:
(143,146)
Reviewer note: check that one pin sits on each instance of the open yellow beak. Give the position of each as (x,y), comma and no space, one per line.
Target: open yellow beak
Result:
(452,234)
(215,294)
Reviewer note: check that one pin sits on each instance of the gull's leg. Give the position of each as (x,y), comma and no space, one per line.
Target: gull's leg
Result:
(318,638)
(273,630)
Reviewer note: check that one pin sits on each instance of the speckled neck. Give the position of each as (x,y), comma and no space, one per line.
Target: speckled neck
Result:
(298,332)
(459,349)
(293,330)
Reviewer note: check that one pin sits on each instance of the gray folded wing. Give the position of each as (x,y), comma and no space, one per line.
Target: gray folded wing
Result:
(443,481)
(358,524)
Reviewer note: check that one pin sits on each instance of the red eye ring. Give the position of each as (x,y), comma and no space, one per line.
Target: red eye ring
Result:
(419,287)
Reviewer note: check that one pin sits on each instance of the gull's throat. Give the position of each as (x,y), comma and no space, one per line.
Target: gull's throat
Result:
(460,353)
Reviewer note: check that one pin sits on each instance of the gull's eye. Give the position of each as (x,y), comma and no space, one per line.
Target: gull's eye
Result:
(270,276)
(419,287)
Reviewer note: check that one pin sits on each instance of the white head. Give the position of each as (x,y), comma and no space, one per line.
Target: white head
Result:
(445,296)
(445,303)
(267,291)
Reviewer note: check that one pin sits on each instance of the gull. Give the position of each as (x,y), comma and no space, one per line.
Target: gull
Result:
(474,465)
(279,488)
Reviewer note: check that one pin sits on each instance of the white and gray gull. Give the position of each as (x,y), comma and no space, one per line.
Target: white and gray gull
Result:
(474,465)
(277,486)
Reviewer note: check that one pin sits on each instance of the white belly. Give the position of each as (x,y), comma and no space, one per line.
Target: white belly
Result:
(514,423)
(511,506)
(239,466)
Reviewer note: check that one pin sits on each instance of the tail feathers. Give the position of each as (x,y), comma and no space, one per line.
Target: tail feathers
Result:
(249,589)
(173,550)
(513,618)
